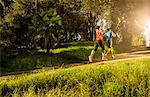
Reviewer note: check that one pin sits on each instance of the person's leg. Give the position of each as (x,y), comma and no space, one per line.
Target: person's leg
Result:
(91,56)
(112,53)
(93,52)
(109,47)
(103,50)
(108,51)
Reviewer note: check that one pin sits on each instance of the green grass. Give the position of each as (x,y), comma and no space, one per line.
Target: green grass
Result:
(120,79)
(77,52)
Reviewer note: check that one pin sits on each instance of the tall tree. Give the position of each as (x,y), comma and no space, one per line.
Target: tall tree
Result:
(72,18)
(94,8)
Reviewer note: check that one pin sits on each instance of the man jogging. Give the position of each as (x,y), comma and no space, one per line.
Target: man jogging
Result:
(98,42)
(108,36)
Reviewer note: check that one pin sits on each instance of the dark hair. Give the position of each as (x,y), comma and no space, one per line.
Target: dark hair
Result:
(108,29)
(97,27)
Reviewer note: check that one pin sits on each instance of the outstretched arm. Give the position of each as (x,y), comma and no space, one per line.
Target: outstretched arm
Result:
(114,34)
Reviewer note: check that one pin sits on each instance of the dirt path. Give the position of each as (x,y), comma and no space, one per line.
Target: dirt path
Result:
(134,54)
(128,56)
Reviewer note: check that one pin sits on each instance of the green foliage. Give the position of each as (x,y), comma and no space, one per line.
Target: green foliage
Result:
(38,59)
(74,53)
(95,10)
(27,20)
(73,19)
(126,78)
(49,24)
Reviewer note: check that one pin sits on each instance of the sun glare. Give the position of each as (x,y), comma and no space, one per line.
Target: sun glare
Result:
(147,24)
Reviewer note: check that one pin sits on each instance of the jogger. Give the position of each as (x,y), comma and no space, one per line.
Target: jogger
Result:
(98,42)
(108,36)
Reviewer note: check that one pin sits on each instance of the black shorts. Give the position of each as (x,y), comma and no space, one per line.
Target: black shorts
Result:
(109,43)
(99,43)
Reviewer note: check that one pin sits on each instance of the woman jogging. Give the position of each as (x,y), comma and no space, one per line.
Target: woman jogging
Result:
(98,42)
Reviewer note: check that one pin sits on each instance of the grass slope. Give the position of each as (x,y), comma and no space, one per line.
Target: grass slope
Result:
(120,79)
(74,53)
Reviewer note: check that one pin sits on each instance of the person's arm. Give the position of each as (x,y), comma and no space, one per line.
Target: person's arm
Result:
(104,33)
(113,34)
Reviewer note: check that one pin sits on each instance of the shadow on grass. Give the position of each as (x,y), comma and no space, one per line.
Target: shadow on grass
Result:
(37,60)
(27,61)
(85,43)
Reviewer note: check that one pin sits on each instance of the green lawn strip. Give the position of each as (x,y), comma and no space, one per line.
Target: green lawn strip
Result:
(126,78)
(76,52)
(68,55)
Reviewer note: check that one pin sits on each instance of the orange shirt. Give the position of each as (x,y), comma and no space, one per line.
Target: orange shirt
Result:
(99,35)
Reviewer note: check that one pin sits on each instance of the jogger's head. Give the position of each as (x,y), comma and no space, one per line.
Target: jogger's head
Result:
(108,29)
(97,27)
